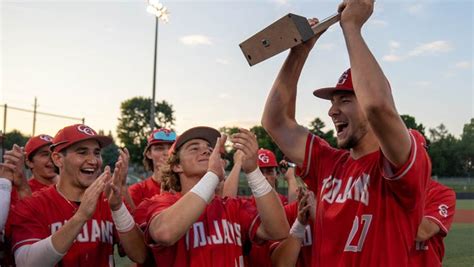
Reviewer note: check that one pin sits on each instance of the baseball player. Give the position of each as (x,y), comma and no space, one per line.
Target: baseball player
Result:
(193,227)
(76,222)
(38,160)
(370,193)
(440,204)
(155,155)
(296,249)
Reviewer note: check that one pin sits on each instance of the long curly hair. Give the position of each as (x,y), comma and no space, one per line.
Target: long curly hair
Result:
(169,178)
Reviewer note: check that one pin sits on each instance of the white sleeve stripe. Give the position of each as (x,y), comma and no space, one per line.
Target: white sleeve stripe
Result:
(252,225)
(438,222)
(21,243)
(415,147)
(308,162)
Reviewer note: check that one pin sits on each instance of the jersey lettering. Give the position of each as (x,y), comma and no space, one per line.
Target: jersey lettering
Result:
(308,237)
(225,233)
(92,231)
(421,246)
(357,189)
(443,210)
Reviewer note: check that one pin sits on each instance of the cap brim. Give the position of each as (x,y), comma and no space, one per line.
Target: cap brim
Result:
(102,139)
(154,142)
(328,92)
(206,133)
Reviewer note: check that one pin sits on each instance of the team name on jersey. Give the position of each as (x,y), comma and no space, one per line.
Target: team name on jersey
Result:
(225,233)
(308,237)
(92,231)
(355,189)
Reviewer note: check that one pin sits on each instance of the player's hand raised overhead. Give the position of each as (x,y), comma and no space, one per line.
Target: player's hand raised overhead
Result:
(113,187)
(246,142)
(15,160)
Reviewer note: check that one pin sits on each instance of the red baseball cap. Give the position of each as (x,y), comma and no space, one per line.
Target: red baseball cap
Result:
(266,158)
(344,84)
(70,135)
(201,132)
(160,136)
(37,142)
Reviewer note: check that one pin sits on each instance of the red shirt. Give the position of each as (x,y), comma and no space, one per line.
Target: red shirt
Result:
(259,255)
(42,214)
(35,186)
(440,205)
(144,189)
(366,215)
(215,239)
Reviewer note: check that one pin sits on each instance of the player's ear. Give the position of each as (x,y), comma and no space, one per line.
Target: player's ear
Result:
(148,153)
(177,168)
(57,159)
(29,164)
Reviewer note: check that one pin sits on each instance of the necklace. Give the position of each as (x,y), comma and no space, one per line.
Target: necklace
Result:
(74,207)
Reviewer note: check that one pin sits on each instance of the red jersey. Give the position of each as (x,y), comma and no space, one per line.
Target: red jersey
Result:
(35,186)
(144,189)
(259,255)
(44,213)
(215,239)
(366,215)
(440,205)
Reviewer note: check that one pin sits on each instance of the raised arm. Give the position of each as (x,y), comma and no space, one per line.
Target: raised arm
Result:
(171,224)
(231,184)
(274,224)
(371,87)
(279,114)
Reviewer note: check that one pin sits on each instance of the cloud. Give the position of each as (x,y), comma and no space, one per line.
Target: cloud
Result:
(392,58)
(378,22)
(415,9)
(462,65)
(195,39)
(431,48)
(423,83)
(222,61)
(281,2)
(326,46)
(394,44)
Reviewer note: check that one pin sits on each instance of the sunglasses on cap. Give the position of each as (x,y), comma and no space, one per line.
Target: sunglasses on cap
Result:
(164,136)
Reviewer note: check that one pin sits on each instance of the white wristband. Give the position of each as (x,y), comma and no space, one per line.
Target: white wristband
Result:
(123,220)
(5,184)
(206,187)
(258,183)
(298,230)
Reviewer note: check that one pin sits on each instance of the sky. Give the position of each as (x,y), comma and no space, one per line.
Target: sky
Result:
(83,58)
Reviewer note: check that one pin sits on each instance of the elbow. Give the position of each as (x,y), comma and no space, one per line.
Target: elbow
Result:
(139,257)
(279,233)
(381,109)
(163,235)
(422,236)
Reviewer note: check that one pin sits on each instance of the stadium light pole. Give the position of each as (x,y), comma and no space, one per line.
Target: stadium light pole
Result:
(161,13)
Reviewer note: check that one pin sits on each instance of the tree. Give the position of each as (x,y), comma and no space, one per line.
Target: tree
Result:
(264,140)
(109,153)
(444,152)
(134,123)
(14,137)
(467,148)
(411,123)
(316,127)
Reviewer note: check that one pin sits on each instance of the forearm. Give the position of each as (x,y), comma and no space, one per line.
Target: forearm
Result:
(287,252)
(128,199)
(426,230)
(172,223)
(41,253)
(5,193)
(274,224)
(133,243)
(63,239)
(280,105)
(231,183)
(292,186)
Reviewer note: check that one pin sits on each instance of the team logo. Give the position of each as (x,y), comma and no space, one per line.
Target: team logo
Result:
(443,210)
(86,130)
(46,138)
(263,158)
(343,78)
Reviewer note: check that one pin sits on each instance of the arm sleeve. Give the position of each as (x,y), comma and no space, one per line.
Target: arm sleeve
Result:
(41,253)
(5,193)
(440,206)
(408,183)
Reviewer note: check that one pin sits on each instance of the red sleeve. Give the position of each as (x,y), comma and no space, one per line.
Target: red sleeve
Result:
(135,192)
(154,207)
(409,182)
(26,225)
(291,211)
(440,205)
(318,154)
(249,220)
